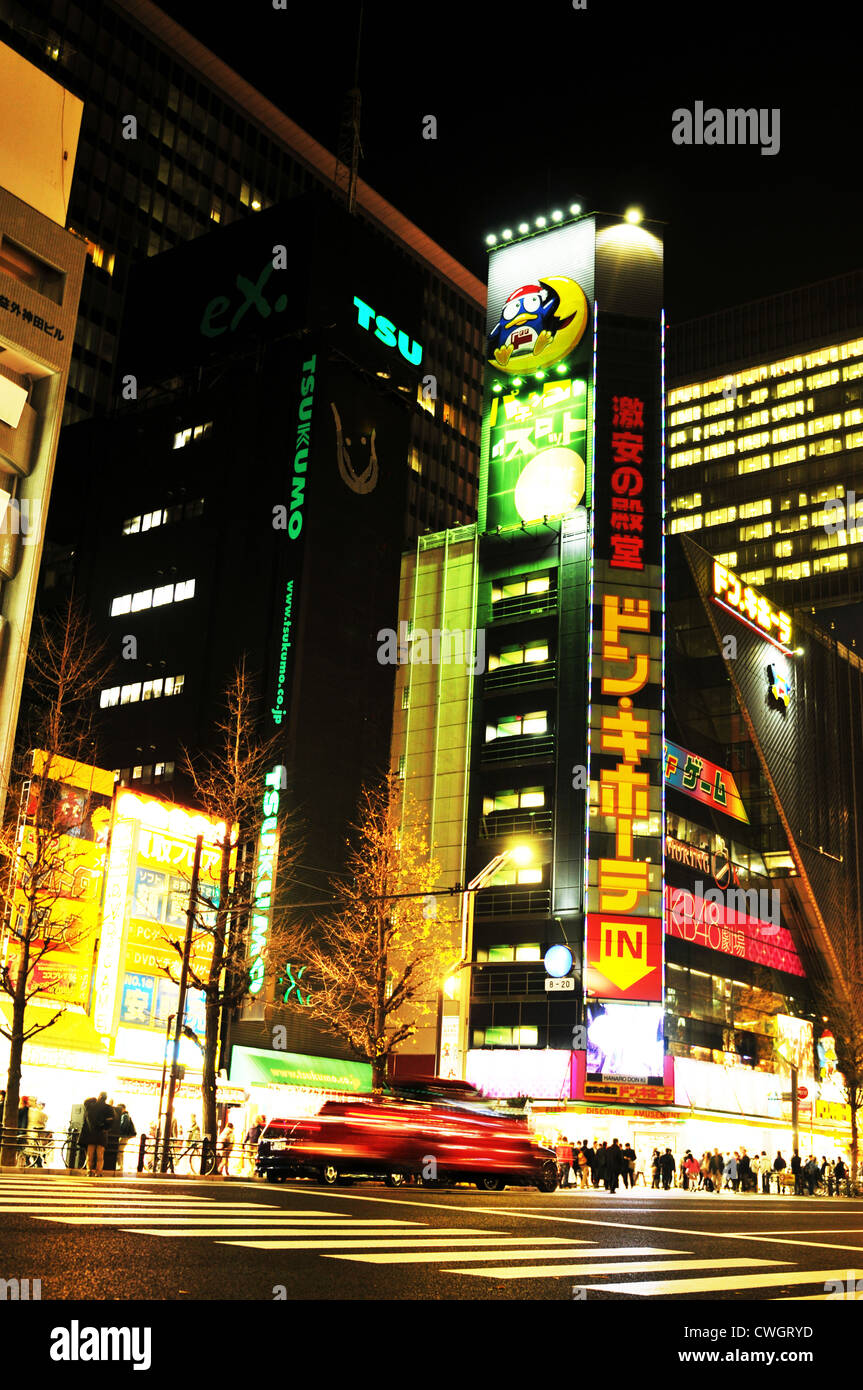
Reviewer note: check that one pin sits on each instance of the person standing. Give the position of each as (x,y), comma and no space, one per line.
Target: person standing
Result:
(602,1164)
(630,1159)
(563,1154)
(796,1168)
(590,1152)
(615,1162)
(717,1170)
(744,1168)
(779,1166)
(692,1171)
(732,1170)
(98,1117)
(127,1132)
(584,1164)
(654,1168)
(226,1144)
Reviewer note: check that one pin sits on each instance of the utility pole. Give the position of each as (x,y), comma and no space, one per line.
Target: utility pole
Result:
(181,1002)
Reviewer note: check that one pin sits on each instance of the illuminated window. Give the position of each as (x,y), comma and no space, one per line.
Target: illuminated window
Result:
(721,516)
(719,407)
(152,598)
(831,562)
(754,464)
(852,373)
(782,549)
(184,590)
(130,693)
(719,427)
(852,349)
(753,441)
(194,432)
(516,588)
(136,525)
(749,509)
(787,433)
(790,364)
(799,570)
(751,376)
(759,532)
(518,656)
(683,460)
(785,456)
(121,605)
(718,451)
(163,595)
(685,417)
(109,697)
(529,952)
(787,411)
(853,417)
(821,358)
(789,388)
(406,697)
(514,726)
(825,446)
(823,424)
(813,383)
(758,417)
(681,524)
(143,599)
(679,437)
(758,577)
(682,504)
(681,394)
(729,559)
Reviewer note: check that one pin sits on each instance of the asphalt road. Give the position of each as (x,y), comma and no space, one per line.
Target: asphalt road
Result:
(125,1238)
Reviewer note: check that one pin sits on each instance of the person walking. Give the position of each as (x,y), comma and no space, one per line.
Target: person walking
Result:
(829,1175)
(766,1171)
(840,1173)
(584,1164)
(601,1166)
(744,1168)
(716,1166)
(732,1172)
(654,1168)
(98,1116)
(691,1171)
(810,1174)
(616,1164)
(779,1166)
(563,1154)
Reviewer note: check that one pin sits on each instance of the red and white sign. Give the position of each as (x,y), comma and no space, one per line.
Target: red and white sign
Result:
(693,918)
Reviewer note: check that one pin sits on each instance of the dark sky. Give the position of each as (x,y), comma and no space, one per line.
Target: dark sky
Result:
(537,103)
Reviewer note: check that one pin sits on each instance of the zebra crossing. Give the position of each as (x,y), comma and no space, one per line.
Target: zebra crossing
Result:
(462,1252)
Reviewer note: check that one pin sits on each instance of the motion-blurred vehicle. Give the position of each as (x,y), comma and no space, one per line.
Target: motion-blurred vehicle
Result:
(416,1128)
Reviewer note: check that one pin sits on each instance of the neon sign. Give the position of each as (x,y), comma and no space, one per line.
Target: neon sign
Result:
(537,448)
(752,608)
(268,839)
(708,783)
(387,333)
(301,454)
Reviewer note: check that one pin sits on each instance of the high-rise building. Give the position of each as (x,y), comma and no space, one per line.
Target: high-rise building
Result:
(619,745)
(41,266)
(174,142)
(765,441)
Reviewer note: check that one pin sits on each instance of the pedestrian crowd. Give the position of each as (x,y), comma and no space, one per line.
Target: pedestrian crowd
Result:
(600,1164)
(104,1134)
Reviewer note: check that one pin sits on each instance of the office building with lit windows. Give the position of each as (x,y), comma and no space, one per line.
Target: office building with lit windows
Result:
(765,429)
(41,266)
(209,149)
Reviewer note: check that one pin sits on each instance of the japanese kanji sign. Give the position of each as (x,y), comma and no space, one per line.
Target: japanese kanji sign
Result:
(698,777)
(756,610)
(623,923)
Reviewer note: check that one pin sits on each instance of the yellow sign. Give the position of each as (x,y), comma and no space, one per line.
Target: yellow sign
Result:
(754,608)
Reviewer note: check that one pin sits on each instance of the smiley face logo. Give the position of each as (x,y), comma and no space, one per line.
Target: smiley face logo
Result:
(539,324)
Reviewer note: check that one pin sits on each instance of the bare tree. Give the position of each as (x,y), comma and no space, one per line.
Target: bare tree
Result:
(231,784)
(41,861)
(374,967)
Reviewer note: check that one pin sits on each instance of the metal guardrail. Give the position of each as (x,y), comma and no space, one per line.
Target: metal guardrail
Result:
(519,746)
(41,1148)
(512,902)
(524,605)
(499,823)
(513,677)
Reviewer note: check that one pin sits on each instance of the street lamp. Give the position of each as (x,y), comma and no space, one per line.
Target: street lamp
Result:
(518,854)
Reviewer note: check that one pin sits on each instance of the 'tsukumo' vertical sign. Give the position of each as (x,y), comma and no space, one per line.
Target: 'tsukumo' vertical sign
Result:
(624,918)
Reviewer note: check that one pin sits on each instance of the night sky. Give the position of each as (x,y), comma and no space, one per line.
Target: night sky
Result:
(539,105)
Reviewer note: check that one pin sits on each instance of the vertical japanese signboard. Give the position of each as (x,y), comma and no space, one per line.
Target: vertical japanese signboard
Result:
(624,920)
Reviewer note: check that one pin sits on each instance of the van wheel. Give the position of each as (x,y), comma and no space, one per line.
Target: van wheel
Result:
(272,1175)
(489,1183)
(329,1175)
(549,1178)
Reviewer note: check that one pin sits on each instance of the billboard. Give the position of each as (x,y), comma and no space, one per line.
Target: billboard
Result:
(708,783)
(691,917)
(536,436)
(144,913)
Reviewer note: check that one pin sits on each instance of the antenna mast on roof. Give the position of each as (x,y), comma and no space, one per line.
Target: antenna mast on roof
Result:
(349,147)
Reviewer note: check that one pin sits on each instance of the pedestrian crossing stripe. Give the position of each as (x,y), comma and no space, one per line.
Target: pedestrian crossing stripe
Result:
(454,1236)
(625,1267)
(271,1221)
(657,1288)
(428,1256)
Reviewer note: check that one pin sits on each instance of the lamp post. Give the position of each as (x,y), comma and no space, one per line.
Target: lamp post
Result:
(460,1009)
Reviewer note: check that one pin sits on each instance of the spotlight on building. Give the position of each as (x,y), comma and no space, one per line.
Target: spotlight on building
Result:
(557,215)
(491,239)
(634,216)
(574,209)
(540,221)
(523,227)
